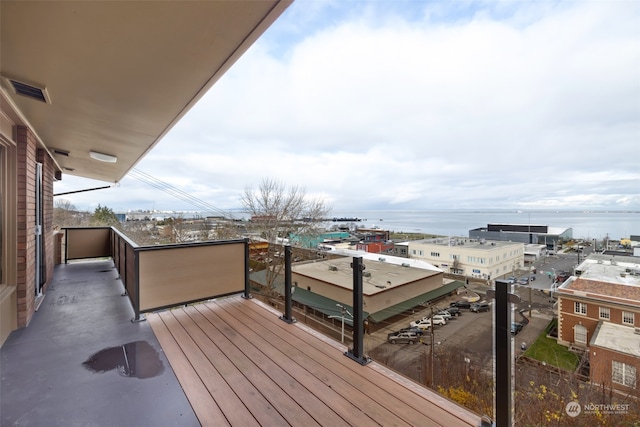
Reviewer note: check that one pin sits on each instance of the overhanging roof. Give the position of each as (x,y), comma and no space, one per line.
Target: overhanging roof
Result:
(117,76)
(324,305)
(388,312)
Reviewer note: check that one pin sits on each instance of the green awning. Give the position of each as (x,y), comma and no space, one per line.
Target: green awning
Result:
(324,305)
(415,301)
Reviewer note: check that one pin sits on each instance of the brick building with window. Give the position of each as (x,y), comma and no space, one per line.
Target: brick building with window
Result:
(599,312)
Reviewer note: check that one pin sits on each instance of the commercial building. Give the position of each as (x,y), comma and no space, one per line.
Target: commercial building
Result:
(390,285)
(524,233)
(470,257)
(598,311)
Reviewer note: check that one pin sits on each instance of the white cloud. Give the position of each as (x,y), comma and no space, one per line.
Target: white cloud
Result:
(477,105)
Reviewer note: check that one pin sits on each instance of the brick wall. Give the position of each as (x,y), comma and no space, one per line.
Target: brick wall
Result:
(600,361)
(27,156)
(26,172)
(568,318)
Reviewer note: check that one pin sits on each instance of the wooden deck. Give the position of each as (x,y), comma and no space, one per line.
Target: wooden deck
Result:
(240,365)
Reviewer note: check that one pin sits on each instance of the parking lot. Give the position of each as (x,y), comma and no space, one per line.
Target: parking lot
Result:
(472,333)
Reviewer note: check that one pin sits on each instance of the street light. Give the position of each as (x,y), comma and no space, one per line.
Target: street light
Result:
(342,312)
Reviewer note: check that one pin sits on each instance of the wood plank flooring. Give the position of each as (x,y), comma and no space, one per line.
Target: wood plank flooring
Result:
(240,365)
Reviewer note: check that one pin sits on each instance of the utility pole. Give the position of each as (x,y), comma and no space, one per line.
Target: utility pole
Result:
(431,353)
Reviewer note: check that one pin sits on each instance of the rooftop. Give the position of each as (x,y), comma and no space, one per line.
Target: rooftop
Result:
(383,275)
(620,338)
(466,242)
(602,290)
(615,279)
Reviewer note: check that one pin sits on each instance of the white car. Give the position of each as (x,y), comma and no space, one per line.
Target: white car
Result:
(423,324)
(426,322)
(439,320)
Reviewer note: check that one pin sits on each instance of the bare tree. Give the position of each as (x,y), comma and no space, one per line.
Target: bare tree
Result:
(65,214)
(278,214)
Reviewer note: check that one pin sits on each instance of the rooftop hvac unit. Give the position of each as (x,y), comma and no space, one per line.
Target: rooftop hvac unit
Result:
(404,264)
(333,268)
(381,259)
(366,273)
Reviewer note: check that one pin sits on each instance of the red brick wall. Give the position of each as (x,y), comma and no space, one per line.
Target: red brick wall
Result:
(26,171)
(601,367)
(27,156)
(568,319)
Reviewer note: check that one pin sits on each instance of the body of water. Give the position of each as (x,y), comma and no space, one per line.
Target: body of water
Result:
(585,224)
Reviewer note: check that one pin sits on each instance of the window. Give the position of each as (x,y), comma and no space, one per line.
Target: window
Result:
(580,334)
(628,317)
(605,313)
(580,308)
(624,374)
(435,254)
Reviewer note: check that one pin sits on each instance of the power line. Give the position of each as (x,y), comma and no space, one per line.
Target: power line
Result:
(178,193)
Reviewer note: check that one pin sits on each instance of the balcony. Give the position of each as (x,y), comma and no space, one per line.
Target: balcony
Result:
(206,354)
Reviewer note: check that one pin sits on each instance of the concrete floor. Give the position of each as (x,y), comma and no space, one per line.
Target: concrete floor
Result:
(82,362)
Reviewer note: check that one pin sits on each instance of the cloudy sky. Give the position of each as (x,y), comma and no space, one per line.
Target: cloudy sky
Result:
(415,105)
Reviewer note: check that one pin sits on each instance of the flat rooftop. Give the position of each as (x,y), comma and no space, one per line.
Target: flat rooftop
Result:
(467,243)
(607,279)
(620,338)
(383,275)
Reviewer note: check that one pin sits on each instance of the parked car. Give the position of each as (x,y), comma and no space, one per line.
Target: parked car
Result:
(403,338)
(479,307)
(512,280)
(423,324)
(523,281)
(412,329)
(438,319)
(454,311)
(516,327)
(461,304)
(445,314)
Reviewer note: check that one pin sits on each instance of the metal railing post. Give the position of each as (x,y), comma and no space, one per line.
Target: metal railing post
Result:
(502,311)
(247,284)
(357,352)
(287,317)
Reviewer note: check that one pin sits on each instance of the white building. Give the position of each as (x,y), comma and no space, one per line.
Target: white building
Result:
(469,257)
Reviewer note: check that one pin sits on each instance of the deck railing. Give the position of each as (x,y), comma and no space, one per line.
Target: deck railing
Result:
(164,276)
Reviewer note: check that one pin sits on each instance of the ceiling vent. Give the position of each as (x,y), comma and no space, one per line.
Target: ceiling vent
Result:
(60,152)
(29,90)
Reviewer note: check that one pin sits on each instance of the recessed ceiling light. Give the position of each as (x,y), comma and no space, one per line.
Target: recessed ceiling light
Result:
(103,157)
